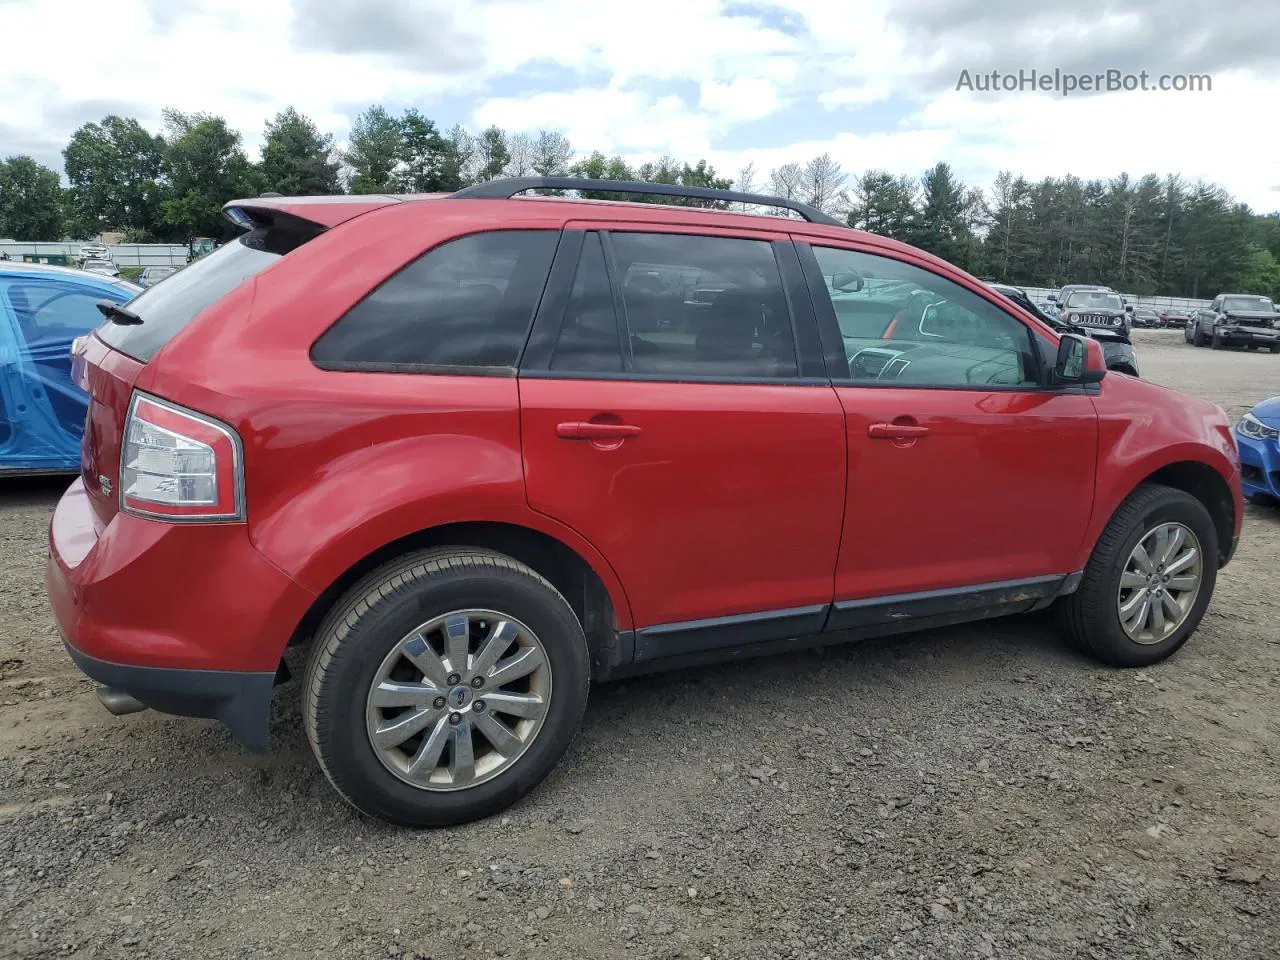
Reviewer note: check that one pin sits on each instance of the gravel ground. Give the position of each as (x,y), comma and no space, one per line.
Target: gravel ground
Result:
(972,792)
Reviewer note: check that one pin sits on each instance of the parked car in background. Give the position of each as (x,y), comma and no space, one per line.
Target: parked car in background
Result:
(1116,346)
(153,275)
(43,309)
(1096,309)
(1237,320)
(92,251)
(104,267)
(1258,436)
(480,450)
(1145,317)
(1060,297)
(1175,317)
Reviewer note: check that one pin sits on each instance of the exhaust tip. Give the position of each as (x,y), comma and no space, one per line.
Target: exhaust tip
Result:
(118,702)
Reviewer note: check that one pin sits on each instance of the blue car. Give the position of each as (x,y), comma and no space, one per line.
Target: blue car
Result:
(43,309)
(1258,437)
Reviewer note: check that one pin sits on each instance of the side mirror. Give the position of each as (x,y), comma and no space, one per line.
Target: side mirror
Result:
(1053,298)
(1080,360)
(847,281)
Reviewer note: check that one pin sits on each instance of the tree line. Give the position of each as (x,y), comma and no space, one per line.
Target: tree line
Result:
(1153,235)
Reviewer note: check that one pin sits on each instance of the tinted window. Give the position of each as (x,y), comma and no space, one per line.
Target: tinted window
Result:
(902,323)
(168,307)
(468,302)
(704,306)
(589,340)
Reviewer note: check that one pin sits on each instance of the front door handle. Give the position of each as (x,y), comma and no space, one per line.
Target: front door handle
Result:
(896,431)
(587,430)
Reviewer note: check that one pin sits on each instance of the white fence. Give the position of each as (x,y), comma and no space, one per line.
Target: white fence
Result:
(124,254)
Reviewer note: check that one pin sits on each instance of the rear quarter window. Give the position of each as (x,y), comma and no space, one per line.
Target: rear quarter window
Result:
(466,304)
(168,307)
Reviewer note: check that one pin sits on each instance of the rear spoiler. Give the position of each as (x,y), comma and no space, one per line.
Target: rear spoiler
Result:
(324,212)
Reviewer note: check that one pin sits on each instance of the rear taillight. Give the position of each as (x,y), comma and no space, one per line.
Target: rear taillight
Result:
(179,465)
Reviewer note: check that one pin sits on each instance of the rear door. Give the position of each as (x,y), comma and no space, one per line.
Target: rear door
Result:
(675,412)
(966,476)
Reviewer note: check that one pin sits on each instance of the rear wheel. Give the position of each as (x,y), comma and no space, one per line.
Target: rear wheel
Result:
(444,687)
(1149,581)
(1275,348)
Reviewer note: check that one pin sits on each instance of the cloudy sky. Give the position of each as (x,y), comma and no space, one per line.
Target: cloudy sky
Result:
(872,82)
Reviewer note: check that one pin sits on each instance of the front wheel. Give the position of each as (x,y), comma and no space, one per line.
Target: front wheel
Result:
(444,687)
(1149,581)
(1275,348)
(1197,337)
(1216,342)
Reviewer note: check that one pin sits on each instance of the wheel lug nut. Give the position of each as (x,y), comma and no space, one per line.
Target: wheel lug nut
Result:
(438,703)
(478,706)
(477,682)
(453,679)
(455,718)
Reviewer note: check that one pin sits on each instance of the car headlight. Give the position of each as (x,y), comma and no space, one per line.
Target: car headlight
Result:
(1253,428)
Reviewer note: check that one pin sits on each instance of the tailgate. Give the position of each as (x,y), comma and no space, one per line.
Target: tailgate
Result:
(110,376)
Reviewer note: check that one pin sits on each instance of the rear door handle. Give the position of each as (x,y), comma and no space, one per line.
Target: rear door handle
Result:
(586,430)
(896,431)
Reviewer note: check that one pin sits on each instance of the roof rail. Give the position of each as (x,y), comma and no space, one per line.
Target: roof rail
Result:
(504,189)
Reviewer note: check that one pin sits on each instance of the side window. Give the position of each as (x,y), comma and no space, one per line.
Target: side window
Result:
(55,312)
(465,303)
(904,324)
(589,340)
(704,306)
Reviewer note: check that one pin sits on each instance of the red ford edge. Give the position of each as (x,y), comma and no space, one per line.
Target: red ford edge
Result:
(479,450)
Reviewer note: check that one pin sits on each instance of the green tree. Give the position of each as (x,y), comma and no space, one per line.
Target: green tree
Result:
(459,148)
(114,168)
(374,152)
(425,155)
(492,154)
(297,159)
(552,154)
(205,167)
(939,226)
(1261,274)
(883,204)
(30,201)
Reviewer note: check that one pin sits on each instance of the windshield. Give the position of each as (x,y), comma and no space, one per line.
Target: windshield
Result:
(1247,305)
(1096,300)
(165,308)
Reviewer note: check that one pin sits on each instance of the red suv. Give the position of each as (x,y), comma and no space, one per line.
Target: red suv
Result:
(479,450)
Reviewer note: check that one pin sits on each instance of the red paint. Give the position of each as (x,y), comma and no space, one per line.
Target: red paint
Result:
(688,500)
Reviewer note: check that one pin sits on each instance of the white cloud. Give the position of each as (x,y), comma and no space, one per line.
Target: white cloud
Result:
(884,72)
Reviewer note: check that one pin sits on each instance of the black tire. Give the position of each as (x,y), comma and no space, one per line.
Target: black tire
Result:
(1275,348)
(1090,617)
(370,620)
(1197,337)
(1216,342)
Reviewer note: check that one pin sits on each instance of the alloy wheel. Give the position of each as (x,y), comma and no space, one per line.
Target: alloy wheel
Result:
(1160,583)
(458,700)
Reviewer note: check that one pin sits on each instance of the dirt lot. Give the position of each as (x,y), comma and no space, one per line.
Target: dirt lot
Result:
(976,792)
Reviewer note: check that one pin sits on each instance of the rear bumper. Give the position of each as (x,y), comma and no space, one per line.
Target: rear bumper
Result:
(242,701)
(188,619)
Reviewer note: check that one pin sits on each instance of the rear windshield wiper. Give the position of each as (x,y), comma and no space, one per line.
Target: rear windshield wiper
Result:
(118,314)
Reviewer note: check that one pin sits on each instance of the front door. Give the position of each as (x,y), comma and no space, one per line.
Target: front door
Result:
(965,474)
(668,416)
